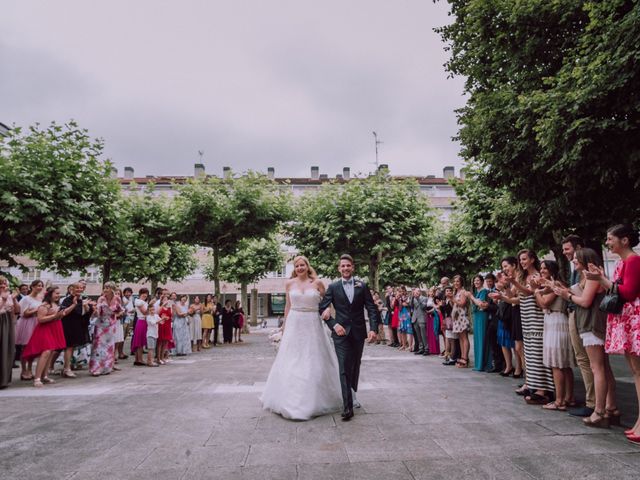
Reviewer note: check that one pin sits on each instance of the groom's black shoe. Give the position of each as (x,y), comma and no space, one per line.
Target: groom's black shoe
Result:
(418,352)
(347,415)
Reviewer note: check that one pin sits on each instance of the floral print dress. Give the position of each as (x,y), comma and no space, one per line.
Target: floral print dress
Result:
(460,316)
(623,330)
(103,347)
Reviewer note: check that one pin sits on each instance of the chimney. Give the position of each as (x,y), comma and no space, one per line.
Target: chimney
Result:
(384,168)
(271,173)
(346,173)
(226,172)
(128,173)
(324,176)
(339,177)
(114,172)
(449,172)
(198,170)
(315,173)
(463,173)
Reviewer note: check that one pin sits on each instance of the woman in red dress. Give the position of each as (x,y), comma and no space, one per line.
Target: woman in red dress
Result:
(48,336)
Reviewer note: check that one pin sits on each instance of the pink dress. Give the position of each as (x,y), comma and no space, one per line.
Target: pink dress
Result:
(623,330)
(26,325)
(103,347)
(46,336)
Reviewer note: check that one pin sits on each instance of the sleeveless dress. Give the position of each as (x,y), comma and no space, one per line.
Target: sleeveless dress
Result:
(195,325)
(539,377)
(623,329)
(304,380)
(46,336)
(181,334)
(557,350)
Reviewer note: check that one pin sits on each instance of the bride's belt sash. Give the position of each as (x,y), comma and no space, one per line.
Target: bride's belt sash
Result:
(304,309)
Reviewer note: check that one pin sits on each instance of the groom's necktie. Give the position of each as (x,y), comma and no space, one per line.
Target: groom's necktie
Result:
(348,289)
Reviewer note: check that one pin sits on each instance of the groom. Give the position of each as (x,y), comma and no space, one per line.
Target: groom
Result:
(349,298)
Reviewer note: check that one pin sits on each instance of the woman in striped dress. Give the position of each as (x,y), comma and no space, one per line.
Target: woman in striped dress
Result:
(539,378)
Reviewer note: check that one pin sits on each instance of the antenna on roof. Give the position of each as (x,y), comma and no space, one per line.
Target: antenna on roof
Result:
(200,154)
(377,142)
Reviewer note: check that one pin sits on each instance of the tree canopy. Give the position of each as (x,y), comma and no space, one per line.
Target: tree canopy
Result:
(551,128)
(55,194)
(220,212)
(373,219)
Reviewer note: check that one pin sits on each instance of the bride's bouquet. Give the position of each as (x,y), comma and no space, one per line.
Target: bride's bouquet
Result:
(275,336)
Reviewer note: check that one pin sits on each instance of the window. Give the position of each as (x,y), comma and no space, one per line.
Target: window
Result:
(31,275)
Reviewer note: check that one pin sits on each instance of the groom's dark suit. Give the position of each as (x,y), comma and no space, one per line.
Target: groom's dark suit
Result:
(351,316)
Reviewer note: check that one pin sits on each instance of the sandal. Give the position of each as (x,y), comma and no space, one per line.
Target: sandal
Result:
(462,363)
(37,383)
(555,406)
(67,373)
(601,422)
(613,414)
(524,391)
(22,377)
(536,399)
(48,380)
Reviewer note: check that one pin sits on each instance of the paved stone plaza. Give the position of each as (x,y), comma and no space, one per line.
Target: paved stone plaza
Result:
(200,418)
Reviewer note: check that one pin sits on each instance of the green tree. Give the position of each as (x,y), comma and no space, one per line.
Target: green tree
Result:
(250,261)
(57,197)
(147,245)
(551,128)
(374,219)
(220,212)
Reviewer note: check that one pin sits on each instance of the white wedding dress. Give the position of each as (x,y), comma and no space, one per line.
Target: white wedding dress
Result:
(304,380)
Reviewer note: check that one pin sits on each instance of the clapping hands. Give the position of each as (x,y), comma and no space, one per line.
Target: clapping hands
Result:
(594,272)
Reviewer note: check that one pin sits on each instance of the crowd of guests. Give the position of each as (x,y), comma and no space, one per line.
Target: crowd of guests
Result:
(530,322)
(38,325)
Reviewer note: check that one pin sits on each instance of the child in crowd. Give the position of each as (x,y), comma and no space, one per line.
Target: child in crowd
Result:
(152,334)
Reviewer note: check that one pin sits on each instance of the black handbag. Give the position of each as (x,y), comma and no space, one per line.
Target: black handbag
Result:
(612,302)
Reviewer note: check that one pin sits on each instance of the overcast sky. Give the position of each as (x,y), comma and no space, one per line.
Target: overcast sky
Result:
(252,83)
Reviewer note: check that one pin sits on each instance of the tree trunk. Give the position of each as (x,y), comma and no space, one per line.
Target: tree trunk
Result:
(374,271)
(254,306)
(106,272)
(154,285)
(216,270)
(245,306)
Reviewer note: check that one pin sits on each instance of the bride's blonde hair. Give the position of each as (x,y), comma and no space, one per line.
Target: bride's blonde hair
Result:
(311,272)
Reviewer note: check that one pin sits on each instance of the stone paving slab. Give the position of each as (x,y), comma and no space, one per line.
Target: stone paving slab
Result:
(200,418)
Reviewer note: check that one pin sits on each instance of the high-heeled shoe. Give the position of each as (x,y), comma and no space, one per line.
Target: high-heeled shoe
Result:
(507,373)
(629,432)
(614,416)
(634,439)
(601,422)
(519,375)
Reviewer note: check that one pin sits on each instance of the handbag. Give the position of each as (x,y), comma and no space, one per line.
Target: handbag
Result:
(612,302)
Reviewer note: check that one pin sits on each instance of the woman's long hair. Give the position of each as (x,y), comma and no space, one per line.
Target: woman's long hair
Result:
(523,274)
(585,256)
(311,272)
(49,294)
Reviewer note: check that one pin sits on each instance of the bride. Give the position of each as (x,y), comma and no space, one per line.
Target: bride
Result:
(303,381)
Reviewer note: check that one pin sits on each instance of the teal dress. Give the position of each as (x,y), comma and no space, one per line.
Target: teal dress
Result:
(480,322)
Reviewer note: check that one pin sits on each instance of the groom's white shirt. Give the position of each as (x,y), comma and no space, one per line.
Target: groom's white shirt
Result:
(347,285)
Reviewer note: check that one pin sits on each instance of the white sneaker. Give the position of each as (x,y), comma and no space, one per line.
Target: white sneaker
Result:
(356,403)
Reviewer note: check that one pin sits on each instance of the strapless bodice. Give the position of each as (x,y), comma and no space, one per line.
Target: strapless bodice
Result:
(304,301)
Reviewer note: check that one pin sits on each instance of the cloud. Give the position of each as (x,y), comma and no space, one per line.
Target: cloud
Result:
(252,83)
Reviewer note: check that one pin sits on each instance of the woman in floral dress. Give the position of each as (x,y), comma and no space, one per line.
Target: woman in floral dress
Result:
(460,316)
(103,348)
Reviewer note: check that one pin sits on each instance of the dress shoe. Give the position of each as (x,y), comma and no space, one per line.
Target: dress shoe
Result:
(426,353)
(449,362)
(506,374)
(418,352)
(635,439)
(494,370)
(581,412)
(347,415)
